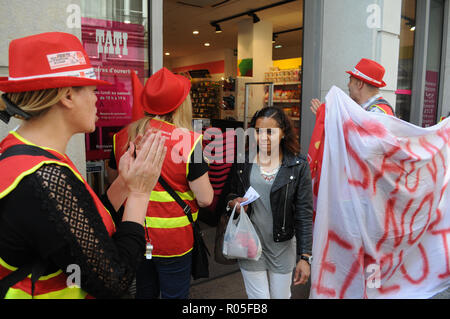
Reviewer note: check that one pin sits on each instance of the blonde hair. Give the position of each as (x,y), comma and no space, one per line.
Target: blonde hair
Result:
(181,118)
(35,102)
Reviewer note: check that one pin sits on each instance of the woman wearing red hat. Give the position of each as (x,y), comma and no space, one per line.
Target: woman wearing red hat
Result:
(164,104)
(52,225)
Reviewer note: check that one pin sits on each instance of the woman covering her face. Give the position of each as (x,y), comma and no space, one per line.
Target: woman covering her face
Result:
(52,224)
(282,216)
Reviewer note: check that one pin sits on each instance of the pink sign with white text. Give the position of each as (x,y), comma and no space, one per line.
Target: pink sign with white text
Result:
(114,49)
(431,98)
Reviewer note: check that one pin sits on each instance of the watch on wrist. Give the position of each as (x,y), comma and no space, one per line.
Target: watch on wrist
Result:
(228,206)
(307,259)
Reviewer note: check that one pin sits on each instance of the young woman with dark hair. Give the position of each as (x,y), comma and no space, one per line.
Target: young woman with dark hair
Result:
(282,179)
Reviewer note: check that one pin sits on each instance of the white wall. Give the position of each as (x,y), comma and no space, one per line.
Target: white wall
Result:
(24,18)
(350,32)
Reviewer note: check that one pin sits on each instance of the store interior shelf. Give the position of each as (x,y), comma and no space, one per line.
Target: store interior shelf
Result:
(287,83)
(285,101)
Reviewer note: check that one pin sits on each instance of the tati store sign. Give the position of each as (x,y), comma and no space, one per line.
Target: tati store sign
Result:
(111,42)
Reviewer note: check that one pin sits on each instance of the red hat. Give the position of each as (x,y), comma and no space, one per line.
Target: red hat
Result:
(370,72)
(163,93)
(46,61)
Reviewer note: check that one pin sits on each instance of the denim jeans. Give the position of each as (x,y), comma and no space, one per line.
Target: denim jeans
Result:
(168,278)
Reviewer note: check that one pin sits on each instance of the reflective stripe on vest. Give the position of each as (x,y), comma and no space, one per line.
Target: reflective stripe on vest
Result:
(387,111)
(383,106)
(14,169)
(168,223)
(53,286)
(168,227)
(165,197)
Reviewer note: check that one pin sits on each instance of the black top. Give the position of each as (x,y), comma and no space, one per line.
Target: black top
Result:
(51,215)
(196,168)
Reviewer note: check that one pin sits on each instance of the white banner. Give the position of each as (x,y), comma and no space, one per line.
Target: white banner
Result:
(382,227)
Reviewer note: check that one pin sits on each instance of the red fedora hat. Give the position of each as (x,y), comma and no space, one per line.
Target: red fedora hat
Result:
(370,72)
(163,93)
(46,61)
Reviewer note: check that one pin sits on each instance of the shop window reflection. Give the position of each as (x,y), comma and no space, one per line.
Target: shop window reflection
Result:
(406,59)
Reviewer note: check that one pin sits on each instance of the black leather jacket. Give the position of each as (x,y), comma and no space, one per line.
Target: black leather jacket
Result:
(290,198)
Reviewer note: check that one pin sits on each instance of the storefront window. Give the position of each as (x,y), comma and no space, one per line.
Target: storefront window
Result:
(406,61)
(433,66)
(115,36)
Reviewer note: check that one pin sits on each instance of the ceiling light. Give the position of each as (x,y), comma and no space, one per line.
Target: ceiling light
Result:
(278,46)
(218,29)
(167,53)
(413,28)
(207,44)
(195,32)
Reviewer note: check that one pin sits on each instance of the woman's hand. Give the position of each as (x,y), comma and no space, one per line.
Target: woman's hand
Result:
(302,272)
(141,173)
(237,202)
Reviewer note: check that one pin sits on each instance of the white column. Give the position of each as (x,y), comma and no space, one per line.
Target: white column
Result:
(254,42)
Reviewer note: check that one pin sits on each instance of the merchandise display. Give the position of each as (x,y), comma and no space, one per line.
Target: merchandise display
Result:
(287,92)
(276,75)
(206,99)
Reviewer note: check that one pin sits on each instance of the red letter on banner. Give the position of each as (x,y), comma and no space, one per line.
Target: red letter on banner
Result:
(444,233)
(327,266)
(425,268)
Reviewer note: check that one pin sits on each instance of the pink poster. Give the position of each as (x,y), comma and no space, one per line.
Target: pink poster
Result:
(114,49)
(431,98)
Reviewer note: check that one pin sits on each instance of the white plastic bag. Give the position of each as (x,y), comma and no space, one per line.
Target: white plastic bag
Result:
(241,240)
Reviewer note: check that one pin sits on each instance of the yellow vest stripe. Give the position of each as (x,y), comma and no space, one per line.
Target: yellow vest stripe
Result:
(34,169)
(168,223)
(190,154)
(30,171)
(66,293)
(161,256)
(165,197)
(25,141)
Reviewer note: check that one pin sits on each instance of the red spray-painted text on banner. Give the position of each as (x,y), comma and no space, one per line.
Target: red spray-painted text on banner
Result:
(383,209)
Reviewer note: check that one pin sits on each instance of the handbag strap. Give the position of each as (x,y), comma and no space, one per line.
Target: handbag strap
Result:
(186,208)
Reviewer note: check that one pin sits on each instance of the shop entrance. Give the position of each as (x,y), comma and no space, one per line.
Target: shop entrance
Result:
(221,46)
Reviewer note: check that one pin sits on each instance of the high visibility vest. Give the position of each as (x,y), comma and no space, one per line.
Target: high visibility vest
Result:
(13,170)
(382,105)
(168,228)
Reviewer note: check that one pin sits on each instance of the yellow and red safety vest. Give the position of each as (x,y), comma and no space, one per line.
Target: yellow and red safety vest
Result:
(169,229)
(13,170)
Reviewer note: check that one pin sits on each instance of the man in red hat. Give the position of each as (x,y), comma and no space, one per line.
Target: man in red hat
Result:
(366,79)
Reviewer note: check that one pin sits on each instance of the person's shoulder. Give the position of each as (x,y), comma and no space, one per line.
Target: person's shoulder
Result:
(295,159)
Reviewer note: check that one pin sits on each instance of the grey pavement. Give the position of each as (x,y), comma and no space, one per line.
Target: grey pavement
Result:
(225,281)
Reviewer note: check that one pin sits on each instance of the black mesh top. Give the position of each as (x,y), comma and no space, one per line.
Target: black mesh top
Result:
(50,215)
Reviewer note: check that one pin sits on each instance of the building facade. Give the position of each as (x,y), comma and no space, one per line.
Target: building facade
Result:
(411,38)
